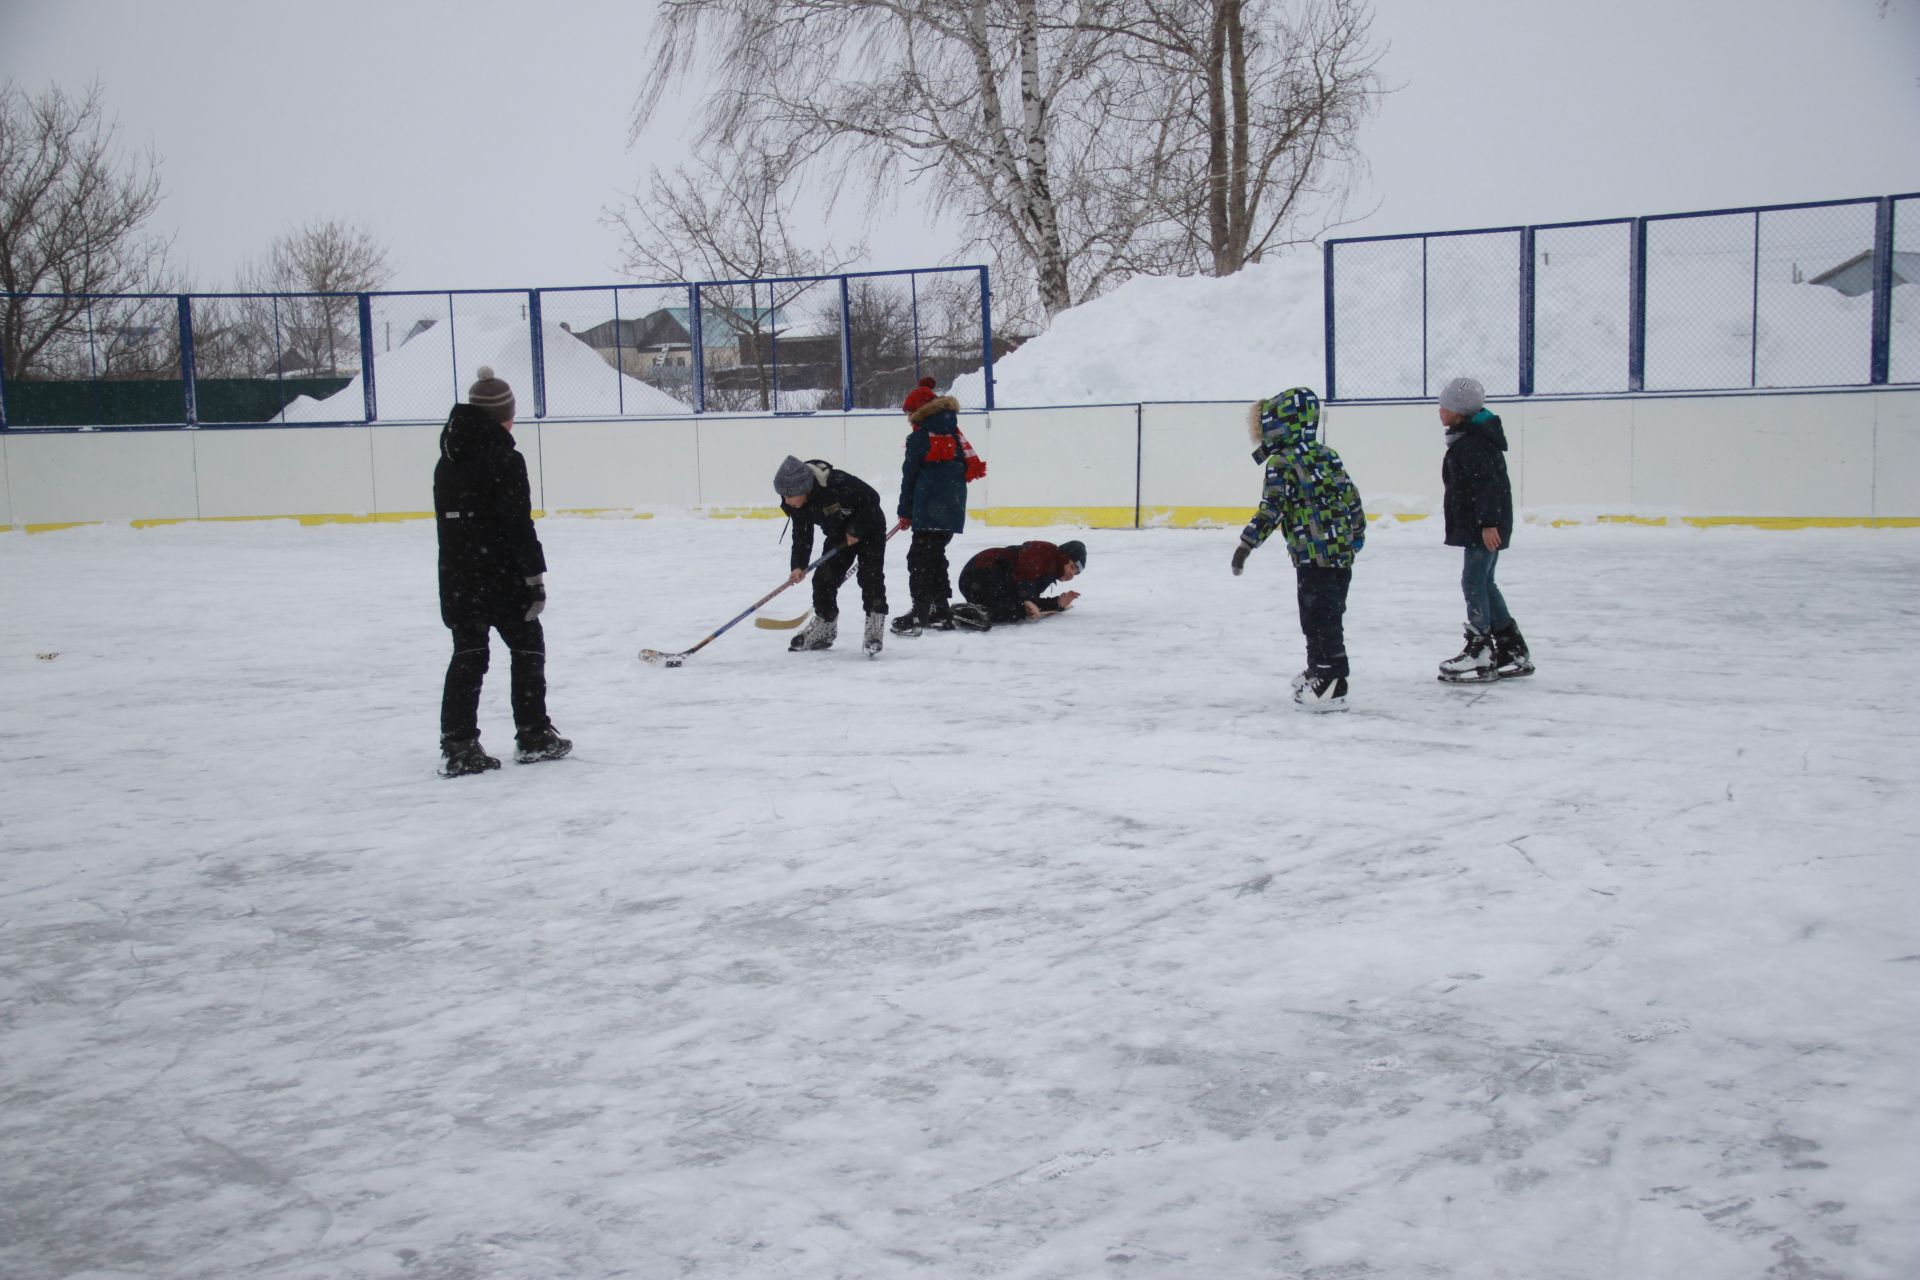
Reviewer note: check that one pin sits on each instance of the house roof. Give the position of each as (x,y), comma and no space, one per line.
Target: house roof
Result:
(1855,276)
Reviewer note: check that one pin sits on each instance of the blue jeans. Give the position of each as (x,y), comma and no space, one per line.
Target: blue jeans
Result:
(1486,609)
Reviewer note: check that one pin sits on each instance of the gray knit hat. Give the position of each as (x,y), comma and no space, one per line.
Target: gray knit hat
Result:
(493,395)
(1463,395)
(793,478)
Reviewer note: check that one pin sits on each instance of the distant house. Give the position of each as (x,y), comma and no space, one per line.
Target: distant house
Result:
(1855,276)
(663,339)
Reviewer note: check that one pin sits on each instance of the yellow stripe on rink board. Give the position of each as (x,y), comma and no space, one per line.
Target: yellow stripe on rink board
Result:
(1039,517)
(1043,517)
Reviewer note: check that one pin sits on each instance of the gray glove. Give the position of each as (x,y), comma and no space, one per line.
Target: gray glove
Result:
(1240,554)
(536,595)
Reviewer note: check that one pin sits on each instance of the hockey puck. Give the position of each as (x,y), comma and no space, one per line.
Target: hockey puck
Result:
(674,662)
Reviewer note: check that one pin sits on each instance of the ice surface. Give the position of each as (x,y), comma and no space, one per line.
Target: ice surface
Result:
(1061,951)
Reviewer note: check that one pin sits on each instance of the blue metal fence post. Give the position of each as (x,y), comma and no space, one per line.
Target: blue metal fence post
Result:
(1753,353)
(189,400)
(1527,260)
(699,349)
(846,349)
(1326,290)
(986,332)
(366,357)
(537,333)
(1880,365)
(1637,306)
(1423,318)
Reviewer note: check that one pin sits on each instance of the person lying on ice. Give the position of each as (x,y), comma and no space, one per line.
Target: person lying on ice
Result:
(849,515)
(1008,584)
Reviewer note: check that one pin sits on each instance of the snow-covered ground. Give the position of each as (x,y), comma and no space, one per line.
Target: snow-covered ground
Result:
(1062,951)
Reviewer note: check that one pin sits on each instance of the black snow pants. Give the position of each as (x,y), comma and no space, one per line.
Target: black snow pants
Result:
(460,700)
(1322,594)
(870,553)
(927,578)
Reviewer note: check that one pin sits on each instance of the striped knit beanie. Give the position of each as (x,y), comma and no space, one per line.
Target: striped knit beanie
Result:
(493,395)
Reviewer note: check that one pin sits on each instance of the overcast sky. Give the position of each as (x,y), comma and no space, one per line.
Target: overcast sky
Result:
(482,139)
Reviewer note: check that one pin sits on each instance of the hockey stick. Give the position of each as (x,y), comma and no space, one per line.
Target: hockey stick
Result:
(675,659)
(782,624)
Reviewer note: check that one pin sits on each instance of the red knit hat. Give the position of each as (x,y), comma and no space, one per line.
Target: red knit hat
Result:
(920,395)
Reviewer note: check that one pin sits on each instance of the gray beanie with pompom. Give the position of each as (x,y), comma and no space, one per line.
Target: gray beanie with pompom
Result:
(491,394)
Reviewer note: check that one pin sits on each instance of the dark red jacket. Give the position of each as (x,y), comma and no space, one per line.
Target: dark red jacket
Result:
(1002,579)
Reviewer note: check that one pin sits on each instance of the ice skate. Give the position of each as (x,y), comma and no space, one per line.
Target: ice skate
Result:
(1473,664)
(936,615)
(541,744)
(876,634)
(819,634)
(1510,658)
(971,617)
(1300,682)
(908,623)
(461,757)
(1321,693)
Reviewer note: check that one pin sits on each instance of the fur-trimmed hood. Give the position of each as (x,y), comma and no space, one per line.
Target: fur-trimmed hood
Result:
(1286,421)
(939,404)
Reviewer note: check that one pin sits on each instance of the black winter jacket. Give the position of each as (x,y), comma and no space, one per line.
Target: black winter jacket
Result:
(839,503)
(483,509)
(1474,472)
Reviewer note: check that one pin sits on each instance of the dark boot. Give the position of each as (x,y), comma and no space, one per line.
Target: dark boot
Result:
(463,756)
(908,623)
(1510,658)
(936,615)
(971,617)
(532,746)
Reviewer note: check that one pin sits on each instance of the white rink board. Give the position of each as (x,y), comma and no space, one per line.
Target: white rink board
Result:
(1819,457)
(78,476)
(619,466)
(403,461)
(294,470)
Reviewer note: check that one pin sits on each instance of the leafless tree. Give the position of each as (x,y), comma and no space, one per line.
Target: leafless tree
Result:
(1263,103)
(729,217)
(74,211)
(1064,132)
(314,269)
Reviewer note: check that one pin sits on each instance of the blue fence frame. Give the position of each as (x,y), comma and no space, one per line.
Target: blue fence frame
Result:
(750,338)
(1895,228)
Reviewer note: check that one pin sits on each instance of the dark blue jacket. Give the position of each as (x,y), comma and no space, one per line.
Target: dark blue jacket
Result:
(933,479)
(1474,471)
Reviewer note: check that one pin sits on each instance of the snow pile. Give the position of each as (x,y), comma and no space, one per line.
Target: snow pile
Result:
(1174,338)
(420,379)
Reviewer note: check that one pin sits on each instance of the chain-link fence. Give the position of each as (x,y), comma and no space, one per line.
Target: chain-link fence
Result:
(830,343)
(1808,295)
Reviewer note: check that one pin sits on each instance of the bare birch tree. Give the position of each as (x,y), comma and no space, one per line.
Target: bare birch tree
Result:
(1064,132)
(74,211)
(1268,99)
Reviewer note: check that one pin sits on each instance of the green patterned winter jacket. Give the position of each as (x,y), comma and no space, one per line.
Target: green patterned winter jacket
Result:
(1308,497)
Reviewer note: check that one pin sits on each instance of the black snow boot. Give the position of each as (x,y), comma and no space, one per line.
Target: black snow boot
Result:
(1510,658)
(540,744)
(463,756)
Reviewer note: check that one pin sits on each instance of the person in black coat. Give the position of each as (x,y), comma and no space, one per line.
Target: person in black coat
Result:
(847,511)
(492,578)
(939,464)
(1478,506)
(1009,584)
